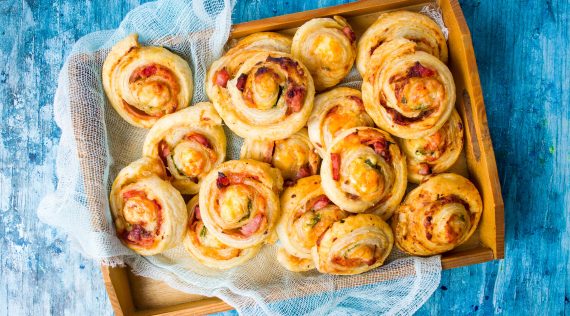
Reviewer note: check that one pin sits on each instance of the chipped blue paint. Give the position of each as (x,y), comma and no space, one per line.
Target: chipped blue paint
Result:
(522,52)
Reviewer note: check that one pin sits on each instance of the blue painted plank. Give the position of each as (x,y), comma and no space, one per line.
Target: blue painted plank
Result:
(522,52)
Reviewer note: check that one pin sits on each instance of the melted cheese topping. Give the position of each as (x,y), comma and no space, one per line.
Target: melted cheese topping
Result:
(190,159)
(142,211)
(422,94)
(365,179)
(451,223)
(235,203)
(328,50)
(289,156)
(265,90)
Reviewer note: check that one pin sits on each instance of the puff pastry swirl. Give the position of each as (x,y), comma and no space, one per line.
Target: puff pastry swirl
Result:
(261,94)
(306,214)
(269,41)
(413,26)
(434,153)
(207,249)
(364,170)
(327,46)
(190,143)
(438,215)
(353,245)
(239,202)
(407,92)
(148,212)
(334,111)
(145,83)
(294,156)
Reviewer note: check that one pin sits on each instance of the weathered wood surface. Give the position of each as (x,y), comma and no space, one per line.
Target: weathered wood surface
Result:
(522,51)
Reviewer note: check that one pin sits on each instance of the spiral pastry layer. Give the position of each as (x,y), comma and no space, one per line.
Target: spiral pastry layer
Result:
(364,170)
(353,245)
(145,83)
(261,94)
(148,212)
(327,46)
(434,153)
(335,111)
(438,215)
(268,41)
(292,263)
(239,202)
(306,214)
(413,26)
(207,249)
(190,143)
(407,92)
(294,156)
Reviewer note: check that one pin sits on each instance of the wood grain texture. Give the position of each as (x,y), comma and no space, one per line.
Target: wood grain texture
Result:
(522,53)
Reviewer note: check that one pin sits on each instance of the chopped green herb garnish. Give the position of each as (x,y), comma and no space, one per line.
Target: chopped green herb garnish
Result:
(462,218)
(370,163)
(404,100)
(175,166)
(421,107)
(278,96)
(316,218)
(203,232)
(353,246)
(342,221)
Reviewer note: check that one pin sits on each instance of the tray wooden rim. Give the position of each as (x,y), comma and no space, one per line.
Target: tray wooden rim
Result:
(115,278)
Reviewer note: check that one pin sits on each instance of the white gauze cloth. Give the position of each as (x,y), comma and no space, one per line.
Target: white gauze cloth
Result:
(96,143)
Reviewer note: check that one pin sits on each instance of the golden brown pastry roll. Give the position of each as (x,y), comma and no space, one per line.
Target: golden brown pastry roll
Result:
(434,153)
(294,156)
(327,46)
(145,83)
(335,111)
(207,249)
(306,214)
(438,215)
(190,143)
(261,94)
(149,213)
(407,92)
(413,26)
(239,202)
(292,263)
(353,245)
(269,41)
(364,170)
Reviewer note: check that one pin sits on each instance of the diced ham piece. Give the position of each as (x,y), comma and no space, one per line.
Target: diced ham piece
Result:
(221,77)
(349,33)
(163,150)
(197,212)
(289,183)
(241,82)
(222,181)
(304,171)
(135,234)
(252,226)
(321,202)
(149,71)
(424,169)
(335,164)
(294,98)
(132,193)
(201,139)
(418,70)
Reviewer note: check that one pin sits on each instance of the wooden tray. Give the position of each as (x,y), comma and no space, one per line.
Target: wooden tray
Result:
(135,295)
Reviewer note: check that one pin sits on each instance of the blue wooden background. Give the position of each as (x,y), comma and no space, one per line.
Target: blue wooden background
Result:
(522,50)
